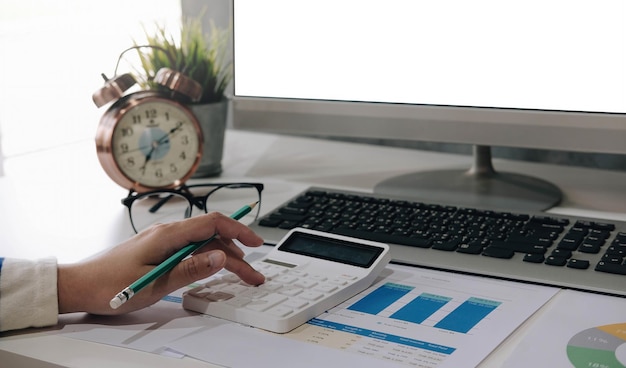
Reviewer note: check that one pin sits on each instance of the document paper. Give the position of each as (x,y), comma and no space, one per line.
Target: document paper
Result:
(411,317)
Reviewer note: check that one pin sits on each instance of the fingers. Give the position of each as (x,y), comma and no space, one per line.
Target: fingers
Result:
(235,262)
(244,271)
(203,265)
(198,267)
(198,228)
(162,240)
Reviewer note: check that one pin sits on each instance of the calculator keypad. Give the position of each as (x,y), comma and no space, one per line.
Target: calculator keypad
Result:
(286,291)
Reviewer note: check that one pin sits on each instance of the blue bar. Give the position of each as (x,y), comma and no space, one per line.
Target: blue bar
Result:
(381,298)
(382,336)
(467,315)
(420,308)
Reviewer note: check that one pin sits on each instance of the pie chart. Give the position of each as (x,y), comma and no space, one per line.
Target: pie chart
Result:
(599,347)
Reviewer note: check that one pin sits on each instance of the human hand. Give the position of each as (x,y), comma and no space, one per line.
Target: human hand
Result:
(88,286)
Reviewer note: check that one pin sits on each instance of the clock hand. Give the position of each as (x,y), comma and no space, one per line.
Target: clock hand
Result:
(154,145)
(172,131)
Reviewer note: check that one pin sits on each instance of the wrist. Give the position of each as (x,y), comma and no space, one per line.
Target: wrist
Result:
(68,282)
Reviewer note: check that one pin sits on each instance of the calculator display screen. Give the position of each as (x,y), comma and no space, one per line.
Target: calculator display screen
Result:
(355,254)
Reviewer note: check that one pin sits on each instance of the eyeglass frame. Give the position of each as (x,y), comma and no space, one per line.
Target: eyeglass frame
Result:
(185,191)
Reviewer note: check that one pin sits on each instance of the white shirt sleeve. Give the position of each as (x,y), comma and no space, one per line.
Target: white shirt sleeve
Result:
(28,293)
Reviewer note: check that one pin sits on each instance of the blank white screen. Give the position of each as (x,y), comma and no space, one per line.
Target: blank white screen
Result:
(552,54)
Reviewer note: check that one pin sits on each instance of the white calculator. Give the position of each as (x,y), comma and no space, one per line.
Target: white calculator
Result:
(306,274)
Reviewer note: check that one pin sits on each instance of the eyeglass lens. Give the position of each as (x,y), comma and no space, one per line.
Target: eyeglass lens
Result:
(166,207)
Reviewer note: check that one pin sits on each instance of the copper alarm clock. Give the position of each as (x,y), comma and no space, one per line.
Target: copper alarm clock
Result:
(148,140)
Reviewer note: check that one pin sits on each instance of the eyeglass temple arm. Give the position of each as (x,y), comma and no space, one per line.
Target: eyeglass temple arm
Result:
(164,200)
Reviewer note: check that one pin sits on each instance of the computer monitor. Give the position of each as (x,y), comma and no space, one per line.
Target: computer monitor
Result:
(531,74)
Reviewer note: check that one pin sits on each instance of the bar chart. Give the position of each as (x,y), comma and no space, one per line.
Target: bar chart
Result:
(425,319)
(445,311)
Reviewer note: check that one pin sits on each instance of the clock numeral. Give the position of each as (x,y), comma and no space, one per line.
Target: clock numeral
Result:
(130,162)
(183,155)
(158,173)
(127,132)
(173,168)
(184,140)
(167,116)
(124,147)
(136,119)
(151,114)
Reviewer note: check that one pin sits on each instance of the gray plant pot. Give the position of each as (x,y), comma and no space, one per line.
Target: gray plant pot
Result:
(212,118)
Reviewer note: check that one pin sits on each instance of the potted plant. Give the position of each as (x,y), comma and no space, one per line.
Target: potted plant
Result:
(204,58)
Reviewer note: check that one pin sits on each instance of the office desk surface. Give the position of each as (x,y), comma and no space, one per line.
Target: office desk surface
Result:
(60,202)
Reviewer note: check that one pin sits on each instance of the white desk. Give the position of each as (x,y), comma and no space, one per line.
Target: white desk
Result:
(60,202)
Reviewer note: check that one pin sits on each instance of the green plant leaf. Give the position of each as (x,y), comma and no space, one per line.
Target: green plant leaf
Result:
(200,55)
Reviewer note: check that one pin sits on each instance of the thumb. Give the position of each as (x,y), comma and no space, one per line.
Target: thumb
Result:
(199,266)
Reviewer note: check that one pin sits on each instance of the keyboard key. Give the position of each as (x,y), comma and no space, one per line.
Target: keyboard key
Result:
(555,261)
(519,247)
(534,258)
(496,252)
(386,238)
(449,245)
(589,248)
(561,253)
(569,243)
(619,269)
(470,248)
(578,264)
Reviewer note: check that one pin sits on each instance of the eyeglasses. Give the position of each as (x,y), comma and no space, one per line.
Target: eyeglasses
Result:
(162,206)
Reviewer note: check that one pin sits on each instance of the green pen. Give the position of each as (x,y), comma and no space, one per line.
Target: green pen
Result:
(124,295)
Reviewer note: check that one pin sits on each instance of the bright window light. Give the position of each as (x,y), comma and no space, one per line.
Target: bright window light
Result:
(52,54)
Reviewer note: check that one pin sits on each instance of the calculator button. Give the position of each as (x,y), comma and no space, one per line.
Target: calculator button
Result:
(280,311)
(326,288)
(214,283)
(305,283)
(270,286)
(200,292)
(311,295)
(231,278)
(266,302)
(290,290)
(318,277)
(234,288)
(238,302)
(339,281)
(285,279)
(270,274)
(296,303)
(348,277)
(299,273)
(218,296)
(254,293)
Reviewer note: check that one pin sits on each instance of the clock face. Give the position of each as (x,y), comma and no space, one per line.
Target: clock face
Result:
(156,143)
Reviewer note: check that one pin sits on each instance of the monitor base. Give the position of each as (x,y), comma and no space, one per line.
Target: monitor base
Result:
(480,187)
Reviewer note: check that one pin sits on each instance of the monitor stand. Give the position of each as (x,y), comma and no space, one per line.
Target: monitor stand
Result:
(480,187)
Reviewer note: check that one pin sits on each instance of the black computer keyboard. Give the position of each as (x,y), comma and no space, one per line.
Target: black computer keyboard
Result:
(565,251)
